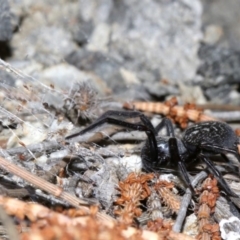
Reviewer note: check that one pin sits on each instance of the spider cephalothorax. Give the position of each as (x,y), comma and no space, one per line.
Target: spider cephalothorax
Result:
(199,141)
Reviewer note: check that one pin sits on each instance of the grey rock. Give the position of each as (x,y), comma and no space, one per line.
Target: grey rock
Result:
(45,35)
(99,10)
(82,32)
(107,68)
(64,76)
(159,89)
(221,94)
(5,21)
(47,45)
(225,14)
(191,94)
(6,79)
(158,36)
(219,65)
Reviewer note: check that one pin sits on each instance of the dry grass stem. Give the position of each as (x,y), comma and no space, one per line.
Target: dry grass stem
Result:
(48,187)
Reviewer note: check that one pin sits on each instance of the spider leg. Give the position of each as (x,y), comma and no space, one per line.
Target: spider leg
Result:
(218,149)
(11,126)
(146,127)
(166,122)
(130,114)
(230,164)
(118,114)
(218,175)
(173,148)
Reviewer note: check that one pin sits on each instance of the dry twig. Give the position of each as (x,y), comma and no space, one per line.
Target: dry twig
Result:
(185,202)
(48,187)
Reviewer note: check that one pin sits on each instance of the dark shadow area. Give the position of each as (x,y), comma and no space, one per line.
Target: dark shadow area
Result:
(5,50)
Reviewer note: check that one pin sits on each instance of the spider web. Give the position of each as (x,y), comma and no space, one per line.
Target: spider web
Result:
(22,103)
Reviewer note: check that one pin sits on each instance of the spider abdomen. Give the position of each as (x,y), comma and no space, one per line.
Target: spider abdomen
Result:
(213,133)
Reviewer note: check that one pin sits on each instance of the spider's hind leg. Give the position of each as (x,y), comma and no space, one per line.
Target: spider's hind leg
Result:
(218,175)
(230,164)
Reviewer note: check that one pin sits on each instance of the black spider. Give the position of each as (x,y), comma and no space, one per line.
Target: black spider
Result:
(199,141)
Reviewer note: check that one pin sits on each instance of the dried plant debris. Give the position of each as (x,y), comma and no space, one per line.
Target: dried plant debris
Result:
(93,186)
(38,222)
(207,201)
(43,110)
(94,193)
(78,103)
(179,114)
(164,230)
(170,199)
(133,190)
(154,206)
(160,225)
(81,103)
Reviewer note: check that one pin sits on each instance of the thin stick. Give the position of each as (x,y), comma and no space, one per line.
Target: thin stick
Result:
(94,136)
(48,187)
(186,201)
(33,148)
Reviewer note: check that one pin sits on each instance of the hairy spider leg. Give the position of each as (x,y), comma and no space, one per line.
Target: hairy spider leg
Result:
(217,174)
(166,122)
(173,148)
(147,127)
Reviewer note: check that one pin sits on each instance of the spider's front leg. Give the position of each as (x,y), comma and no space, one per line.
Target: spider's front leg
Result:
(114,117)
(167,123)
(175,156)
